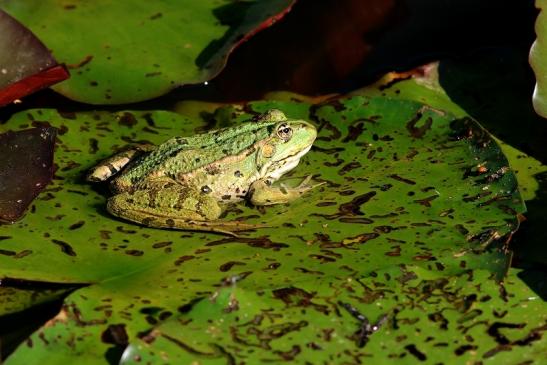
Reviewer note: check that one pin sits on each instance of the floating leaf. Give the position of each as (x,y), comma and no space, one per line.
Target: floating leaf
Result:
(25,63)
(26,168)
(503,78)
(427,317)
(99,39)
(406,186)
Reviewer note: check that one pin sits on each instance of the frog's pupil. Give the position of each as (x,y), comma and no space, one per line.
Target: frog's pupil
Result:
(205,189)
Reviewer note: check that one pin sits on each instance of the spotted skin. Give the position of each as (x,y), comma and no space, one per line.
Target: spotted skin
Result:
(183,183)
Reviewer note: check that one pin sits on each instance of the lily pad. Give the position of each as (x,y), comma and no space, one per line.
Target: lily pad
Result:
(426,317)
(26,168)
(26,65)
(99,39)
(408,189)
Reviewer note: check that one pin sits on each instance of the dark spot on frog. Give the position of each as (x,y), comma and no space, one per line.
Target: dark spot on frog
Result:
(238,173)
(170,222)
(205,189)
(212,169)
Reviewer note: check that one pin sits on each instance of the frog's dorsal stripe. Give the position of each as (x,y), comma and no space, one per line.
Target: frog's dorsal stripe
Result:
(198,151)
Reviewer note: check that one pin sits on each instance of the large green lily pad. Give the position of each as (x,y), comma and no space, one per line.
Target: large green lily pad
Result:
(430,318)
(112,46)
(411,192)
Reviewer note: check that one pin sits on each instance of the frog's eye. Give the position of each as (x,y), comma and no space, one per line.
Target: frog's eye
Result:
(284,132)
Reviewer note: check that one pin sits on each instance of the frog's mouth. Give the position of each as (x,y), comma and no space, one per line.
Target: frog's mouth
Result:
(279,168)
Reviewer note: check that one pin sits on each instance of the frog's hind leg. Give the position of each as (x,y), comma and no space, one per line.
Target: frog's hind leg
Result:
(112,165)
(174,207)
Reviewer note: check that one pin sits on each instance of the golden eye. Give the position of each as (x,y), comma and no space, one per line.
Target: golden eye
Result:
(284,132)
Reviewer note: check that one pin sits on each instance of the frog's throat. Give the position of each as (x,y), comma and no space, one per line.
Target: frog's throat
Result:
(274,170)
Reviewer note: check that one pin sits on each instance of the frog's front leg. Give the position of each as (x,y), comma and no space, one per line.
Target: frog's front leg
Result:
(175,207)
(263,193)
(112,165)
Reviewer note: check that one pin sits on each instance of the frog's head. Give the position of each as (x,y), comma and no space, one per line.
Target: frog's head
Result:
(289,140)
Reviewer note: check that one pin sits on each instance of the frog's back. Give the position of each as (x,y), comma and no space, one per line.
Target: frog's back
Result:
(180,155)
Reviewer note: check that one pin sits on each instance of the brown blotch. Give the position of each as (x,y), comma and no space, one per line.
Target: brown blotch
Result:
(228,265)
(402,179)
(183,259)
(426,202)
(162,244)
(418,132)
(65,247)
(127,119)
(134,252)
(76,225)
(115,334)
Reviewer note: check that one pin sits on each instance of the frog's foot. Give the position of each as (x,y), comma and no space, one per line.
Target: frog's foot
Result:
(112,165)
(261,193)
(174,208)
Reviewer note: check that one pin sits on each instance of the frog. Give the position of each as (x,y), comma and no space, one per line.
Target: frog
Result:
(186,183)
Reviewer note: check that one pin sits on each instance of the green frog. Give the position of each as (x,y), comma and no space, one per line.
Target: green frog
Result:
(184,182)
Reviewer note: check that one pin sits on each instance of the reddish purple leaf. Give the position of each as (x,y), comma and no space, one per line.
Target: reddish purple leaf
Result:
(26,65)
(26,167)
